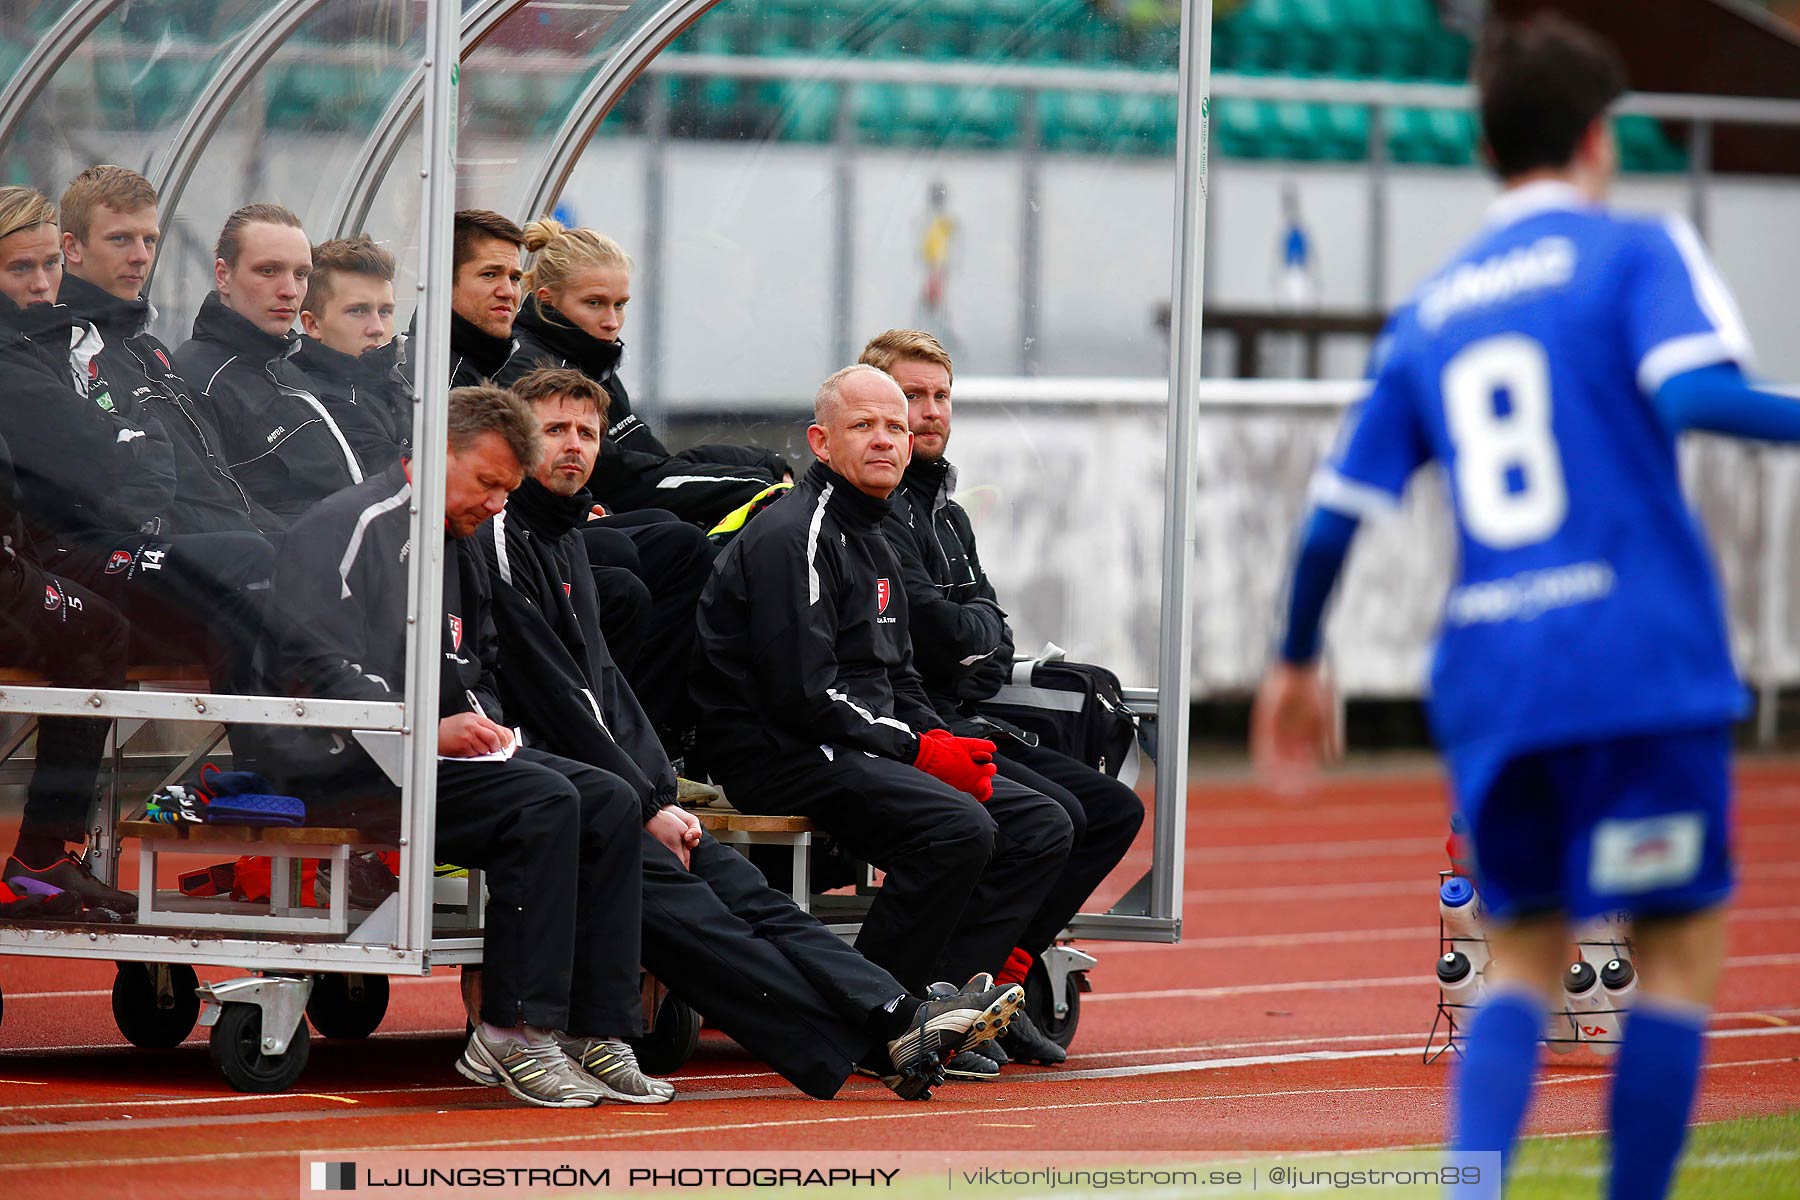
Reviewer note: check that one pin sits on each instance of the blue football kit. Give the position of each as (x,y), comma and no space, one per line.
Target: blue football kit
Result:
(1582,685)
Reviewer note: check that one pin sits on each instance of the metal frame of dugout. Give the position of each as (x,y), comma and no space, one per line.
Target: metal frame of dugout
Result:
(259,1034)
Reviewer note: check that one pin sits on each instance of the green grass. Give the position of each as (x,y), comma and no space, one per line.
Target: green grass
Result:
(1757,1158)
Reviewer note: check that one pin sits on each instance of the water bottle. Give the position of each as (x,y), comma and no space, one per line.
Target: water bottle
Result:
(1618,979)
(1460,909)
(1462,862)
(1604,938)
(1595,1022)
(1458,979)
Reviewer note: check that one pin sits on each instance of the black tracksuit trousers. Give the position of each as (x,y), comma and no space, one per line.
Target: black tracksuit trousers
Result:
(1106,816)
(963,878)
(560,843)
(780,984)
(77,640)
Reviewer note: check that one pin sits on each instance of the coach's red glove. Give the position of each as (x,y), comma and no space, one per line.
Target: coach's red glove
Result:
(966,764)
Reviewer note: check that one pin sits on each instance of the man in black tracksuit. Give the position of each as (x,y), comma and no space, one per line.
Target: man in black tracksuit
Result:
(279,440)
(743,954)
(963,648)
(810,704)
(559,840)
(141,370)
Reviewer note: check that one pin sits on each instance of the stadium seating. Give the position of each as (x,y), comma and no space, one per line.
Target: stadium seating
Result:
(1402,40)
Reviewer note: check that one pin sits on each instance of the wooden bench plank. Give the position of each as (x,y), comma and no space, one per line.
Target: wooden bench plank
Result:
(737,822)
(281,835)
(309,835)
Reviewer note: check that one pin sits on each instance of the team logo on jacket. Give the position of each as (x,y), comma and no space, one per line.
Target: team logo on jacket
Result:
(120,561)
(455,632)
(566,590)
(882,596)
(52,598)
(163,359)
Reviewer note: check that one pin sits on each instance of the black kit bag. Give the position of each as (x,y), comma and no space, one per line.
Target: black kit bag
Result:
(1077,709)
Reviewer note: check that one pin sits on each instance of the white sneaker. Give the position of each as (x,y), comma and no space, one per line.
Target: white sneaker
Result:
(613,1067)
(540,1075)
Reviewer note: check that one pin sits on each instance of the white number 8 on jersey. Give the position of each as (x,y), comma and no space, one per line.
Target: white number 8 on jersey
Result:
(1509,474)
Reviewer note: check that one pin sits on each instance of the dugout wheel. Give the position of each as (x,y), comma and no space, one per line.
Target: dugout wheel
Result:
(1040,1002)
(155,1004)
(672,1039)
(348,1006)
(237,1051)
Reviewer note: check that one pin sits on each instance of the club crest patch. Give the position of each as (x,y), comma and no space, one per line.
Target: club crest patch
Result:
(455,632)
(120,561)
(882,596)
(52,598)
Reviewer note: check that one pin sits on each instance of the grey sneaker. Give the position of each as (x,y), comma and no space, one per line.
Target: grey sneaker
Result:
(540,1075)
(614,1068)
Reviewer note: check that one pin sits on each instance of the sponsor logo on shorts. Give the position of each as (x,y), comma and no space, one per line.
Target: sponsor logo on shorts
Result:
(1635,855)
(120,561)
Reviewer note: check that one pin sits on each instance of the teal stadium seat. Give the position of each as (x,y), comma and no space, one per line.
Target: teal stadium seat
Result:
(1643,146)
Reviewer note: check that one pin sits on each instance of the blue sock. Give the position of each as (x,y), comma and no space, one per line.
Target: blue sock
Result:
(1493,1082)
(1652,1096)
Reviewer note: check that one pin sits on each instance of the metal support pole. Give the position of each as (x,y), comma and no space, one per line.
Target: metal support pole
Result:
(1768,564)
(1699,172)
(1378,207)
(425,583)
(843,257)
(1031,229)
(1174,668)
(652,266)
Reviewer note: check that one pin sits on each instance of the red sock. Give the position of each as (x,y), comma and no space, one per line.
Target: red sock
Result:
(1018,965)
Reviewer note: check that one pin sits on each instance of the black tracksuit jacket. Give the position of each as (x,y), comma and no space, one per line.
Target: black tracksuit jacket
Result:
(476,357)
(340,585)
(279,440)
(632,458)
(557,677)
(369,396)
(803,634)
(141,372)
(961,641)
(82,464)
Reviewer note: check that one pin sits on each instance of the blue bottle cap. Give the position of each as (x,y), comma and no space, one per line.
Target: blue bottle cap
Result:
(1456,892)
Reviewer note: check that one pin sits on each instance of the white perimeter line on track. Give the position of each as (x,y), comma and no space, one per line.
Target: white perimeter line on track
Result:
(1047,1077)
(1011,1110)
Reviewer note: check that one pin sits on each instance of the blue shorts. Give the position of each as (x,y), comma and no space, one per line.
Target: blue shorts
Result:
(1641,824)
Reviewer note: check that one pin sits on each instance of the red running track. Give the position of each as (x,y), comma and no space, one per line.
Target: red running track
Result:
(1291,1017)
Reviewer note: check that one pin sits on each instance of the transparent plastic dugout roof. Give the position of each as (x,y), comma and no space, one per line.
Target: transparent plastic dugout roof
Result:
(791,178)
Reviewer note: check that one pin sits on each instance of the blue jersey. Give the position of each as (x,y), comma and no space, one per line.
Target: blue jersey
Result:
(1584,605)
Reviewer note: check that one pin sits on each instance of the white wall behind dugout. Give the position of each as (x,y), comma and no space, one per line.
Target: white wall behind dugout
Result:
(1066,502)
